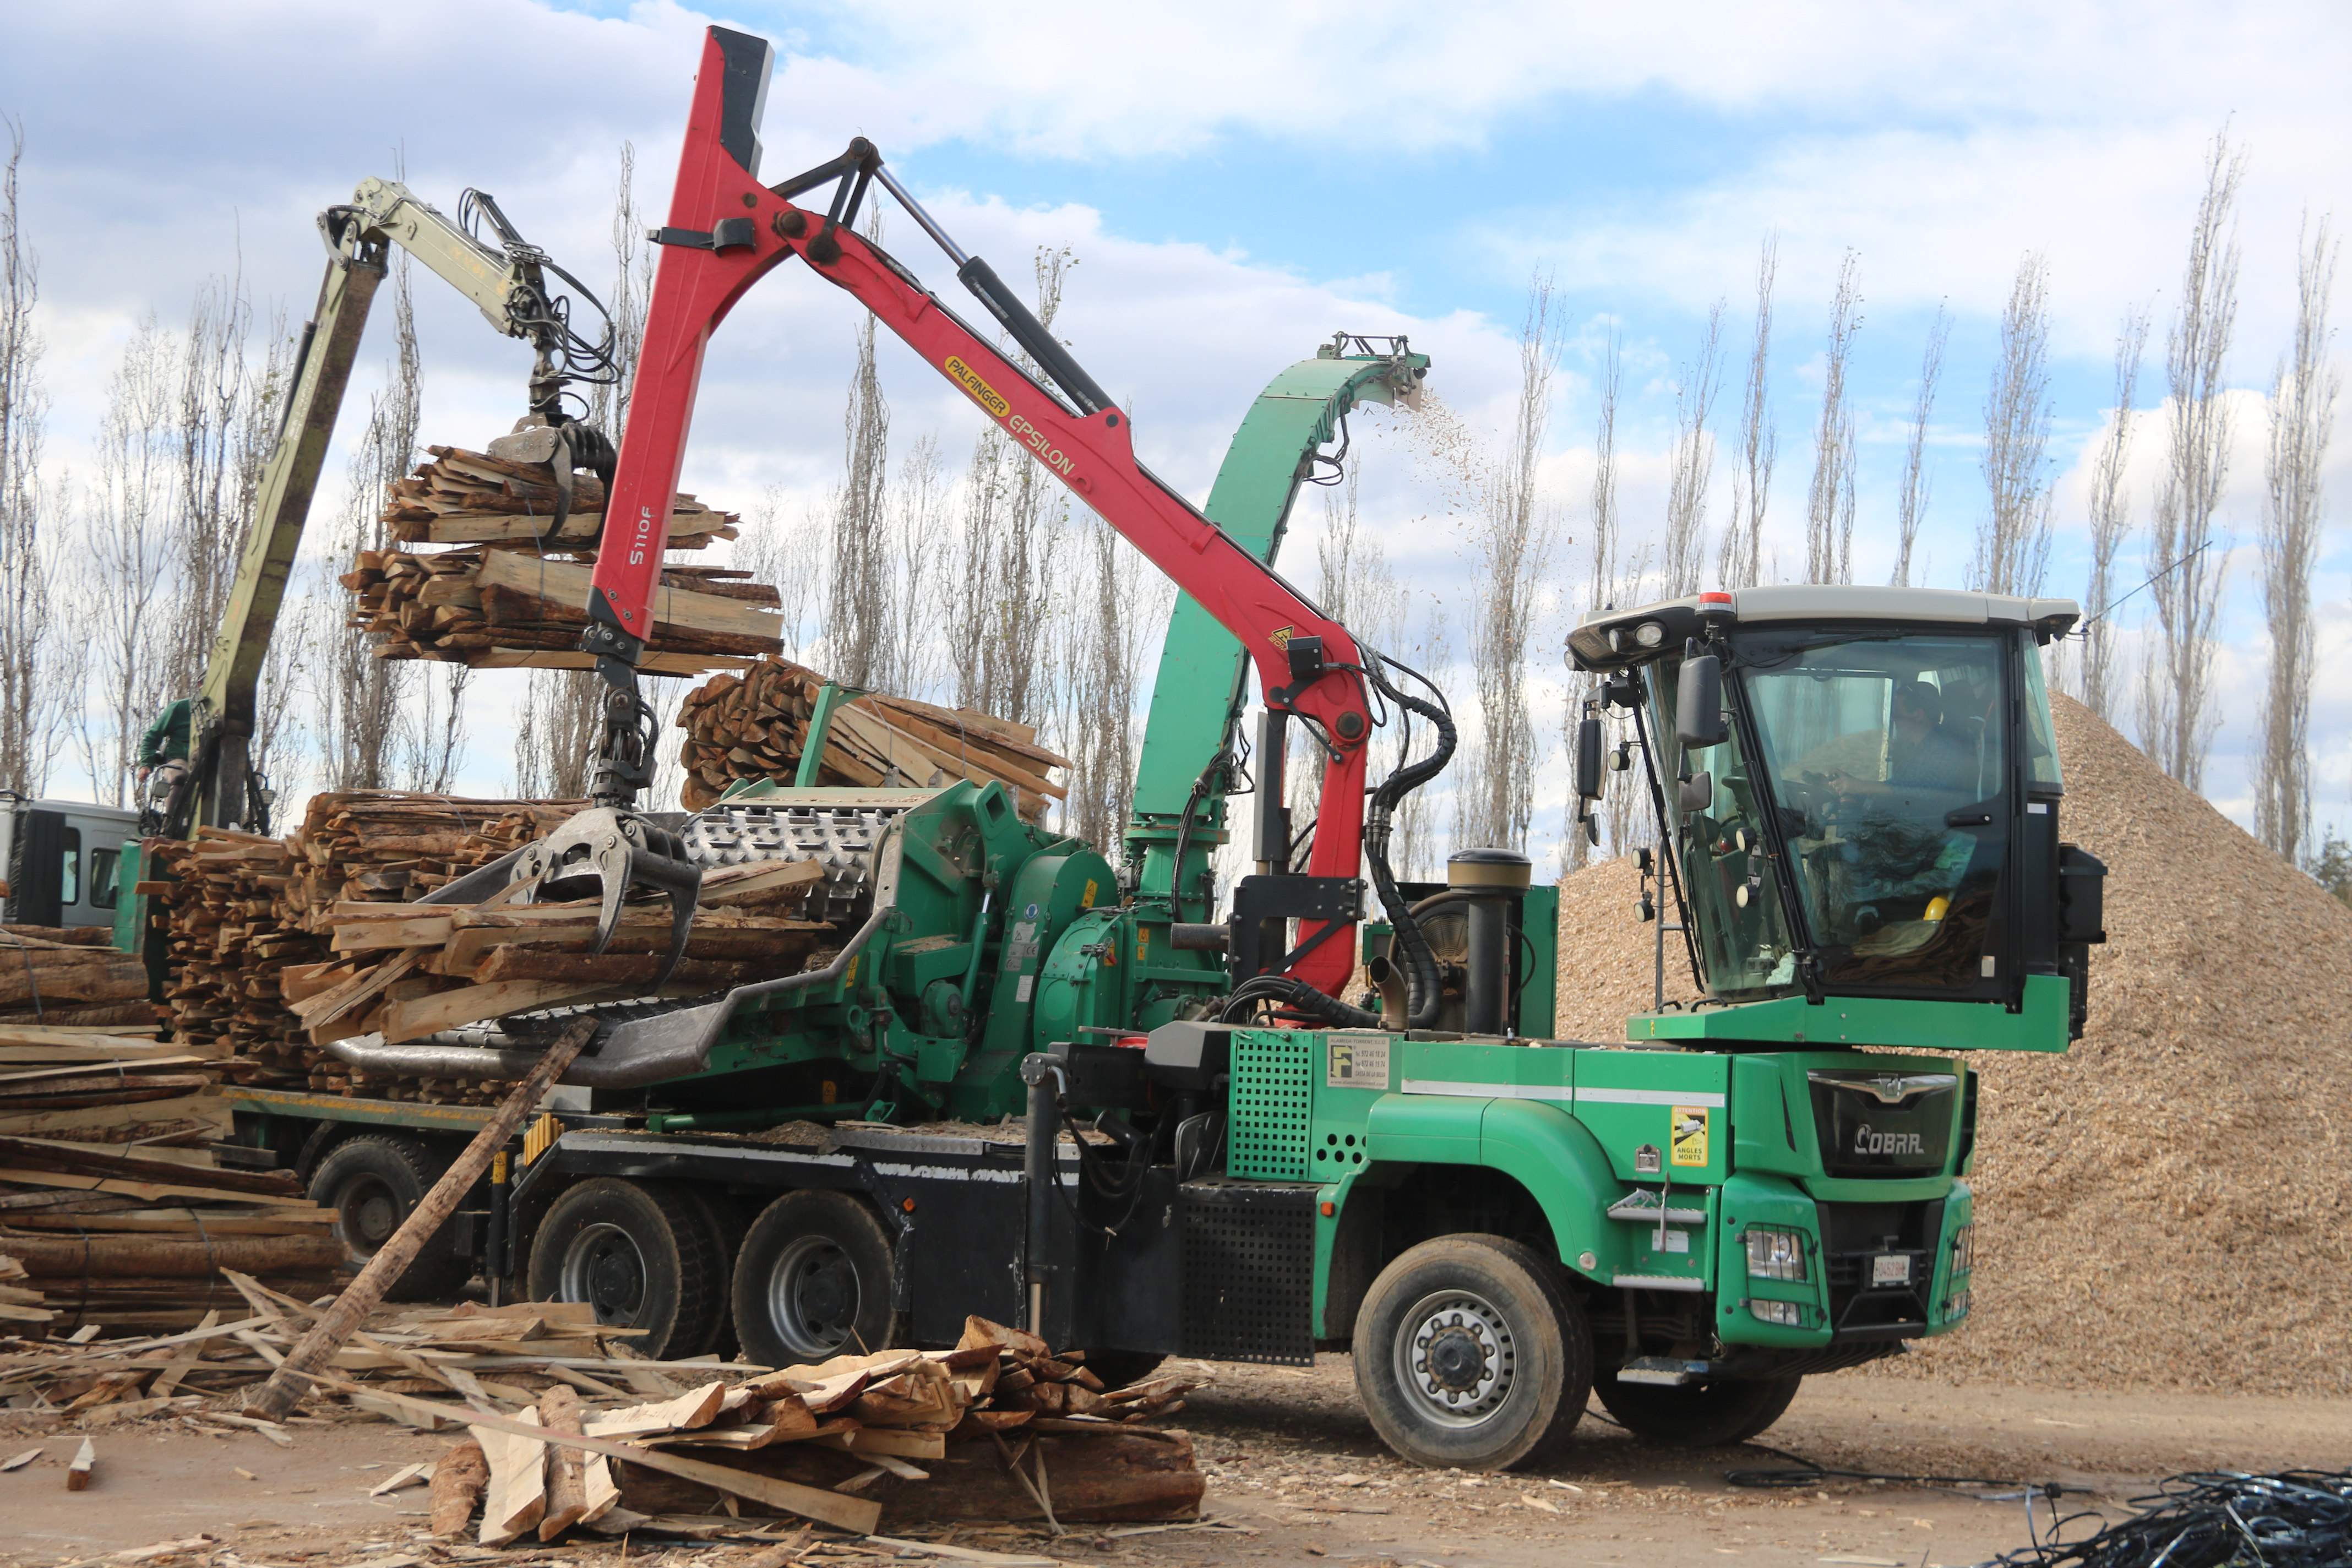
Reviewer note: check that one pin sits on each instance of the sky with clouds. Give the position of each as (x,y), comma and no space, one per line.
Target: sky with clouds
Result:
(1238,181)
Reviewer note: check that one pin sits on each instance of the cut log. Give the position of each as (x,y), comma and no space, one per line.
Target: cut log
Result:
(459,1480)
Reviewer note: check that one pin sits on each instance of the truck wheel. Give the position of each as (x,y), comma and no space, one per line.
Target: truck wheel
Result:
(1697,1416)
(373,1182)
(642,1253)
(1470,1355)
(815,1279)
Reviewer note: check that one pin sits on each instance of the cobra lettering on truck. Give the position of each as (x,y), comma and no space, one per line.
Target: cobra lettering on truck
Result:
(1865,1142)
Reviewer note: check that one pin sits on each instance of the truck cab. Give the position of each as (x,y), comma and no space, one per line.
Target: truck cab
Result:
(63,860)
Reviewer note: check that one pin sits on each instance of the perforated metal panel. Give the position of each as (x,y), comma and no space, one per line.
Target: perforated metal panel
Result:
(1249,1273)
(1266,1114)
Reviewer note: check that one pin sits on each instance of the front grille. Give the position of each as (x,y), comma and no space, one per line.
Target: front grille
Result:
(1249,1273)
(1853,1237)
(1880,1124)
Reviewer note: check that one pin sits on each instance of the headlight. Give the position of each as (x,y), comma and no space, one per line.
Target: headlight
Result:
(1787,1314)
(1957,1306)
(1964,1249)
(1775,1254)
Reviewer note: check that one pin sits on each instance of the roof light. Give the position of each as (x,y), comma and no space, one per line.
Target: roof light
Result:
(1715,596)
(1649,634)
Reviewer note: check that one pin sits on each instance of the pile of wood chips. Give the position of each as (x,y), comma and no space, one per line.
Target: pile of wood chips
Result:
(98,1235)
(755,726)
(507,595)
(407,970)
(248,918)
(70,976)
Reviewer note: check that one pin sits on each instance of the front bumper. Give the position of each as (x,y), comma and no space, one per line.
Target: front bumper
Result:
(1878,1268)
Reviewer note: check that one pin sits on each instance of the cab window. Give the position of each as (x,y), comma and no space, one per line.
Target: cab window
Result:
(69,874)
(105,877)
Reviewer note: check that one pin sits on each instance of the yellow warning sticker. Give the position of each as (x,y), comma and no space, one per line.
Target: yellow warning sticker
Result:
(987,396)
(1686,1135)
(1142,945)
(1280,637)
(1087,903)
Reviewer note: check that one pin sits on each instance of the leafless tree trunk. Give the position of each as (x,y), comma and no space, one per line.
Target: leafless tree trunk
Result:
(632,287)
(1911,500)
(2012,552)
(123,582)
(37,676)
(2110,520)
(1692,467)
(1017,515)
(1494,792)
(2303,420)
(1829,505)
(767,553)
(2186,592)
(923,523)
(367,695)
(857,629)
(1105,675)
(1741,560)
(1414,851)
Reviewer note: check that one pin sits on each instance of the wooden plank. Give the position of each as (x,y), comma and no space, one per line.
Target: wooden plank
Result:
(459,1478)
(562,583)
(517,1498)
(84,1466)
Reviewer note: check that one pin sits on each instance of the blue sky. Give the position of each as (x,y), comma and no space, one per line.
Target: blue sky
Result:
(1240,180)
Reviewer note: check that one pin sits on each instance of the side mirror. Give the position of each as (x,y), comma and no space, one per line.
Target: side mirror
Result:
(1695,793)
(1698,702)
(1587,759)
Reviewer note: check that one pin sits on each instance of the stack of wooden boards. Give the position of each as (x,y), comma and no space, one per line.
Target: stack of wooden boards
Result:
(106,1088)
(117,1237)
(407,970)
(248,920)
(991,1430)
(507,595)
(70,976)
(755,725)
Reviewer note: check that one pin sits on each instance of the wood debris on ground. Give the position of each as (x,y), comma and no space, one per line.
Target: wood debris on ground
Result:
(511,593)
(109,1085)
(755,725)
(405,971)
(70,976)
(108,1235)
(248,918)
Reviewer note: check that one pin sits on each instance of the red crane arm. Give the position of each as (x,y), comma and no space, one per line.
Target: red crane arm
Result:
(727,231)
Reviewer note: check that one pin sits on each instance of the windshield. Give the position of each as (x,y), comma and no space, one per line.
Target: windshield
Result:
(1886,755)
(1718,848)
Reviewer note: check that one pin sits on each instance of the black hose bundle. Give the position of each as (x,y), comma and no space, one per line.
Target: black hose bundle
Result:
(1298,996)
(2298,1519)
(1424,986)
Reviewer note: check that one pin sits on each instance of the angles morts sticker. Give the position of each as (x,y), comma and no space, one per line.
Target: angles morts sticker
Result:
(1687,1134)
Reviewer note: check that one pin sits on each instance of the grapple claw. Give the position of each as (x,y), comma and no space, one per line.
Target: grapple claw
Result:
(608,854)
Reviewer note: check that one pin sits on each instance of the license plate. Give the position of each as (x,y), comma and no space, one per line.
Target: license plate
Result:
(1892,1269)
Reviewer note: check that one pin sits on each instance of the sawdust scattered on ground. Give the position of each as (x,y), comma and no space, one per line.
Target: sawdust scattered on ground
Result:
(2169,1203)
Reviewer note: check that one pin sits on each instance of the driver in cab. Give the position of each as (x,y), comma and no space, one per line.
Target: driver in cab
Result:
(1921,752)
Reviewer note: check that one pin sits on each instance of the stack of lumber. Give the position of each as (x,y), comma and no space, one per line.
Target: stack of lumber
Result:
(407,970)
(227,946)
(393,847)
(113,1089)
(505,597)
(754,725)
(70,976)
(129,1238)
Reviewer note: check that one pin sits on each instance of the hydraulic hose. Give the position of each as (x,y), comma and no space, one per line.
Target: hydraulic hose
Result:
(1424,985)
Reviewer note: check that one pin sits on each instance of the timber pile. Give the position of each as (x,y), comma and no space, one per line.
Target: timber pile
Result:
(98,1086)
(755,725)
(506,597)
(69,977)
(405,972)
(100,1234)
(392,847)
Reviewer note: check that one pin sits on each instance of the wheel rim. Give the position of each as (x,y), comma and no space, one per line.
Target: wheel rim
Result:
(371,1211)
(813,1297)
(1456,1358)
(603,1268)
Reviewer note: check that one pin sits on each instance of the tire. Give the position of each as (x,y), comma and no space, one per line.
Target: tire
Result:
(728,1218)
(373,1183)
(1699,1416)
(817,1278)
(1118,1368)
(644,1252)
(1516,1355)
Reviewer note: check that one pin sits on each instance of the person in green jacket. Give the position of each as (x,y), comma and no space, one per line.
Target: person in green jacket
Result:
(167,740)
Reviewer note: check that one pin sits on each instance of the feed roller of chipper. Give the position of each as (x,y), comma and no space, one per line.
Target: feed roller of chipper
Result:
(841,837)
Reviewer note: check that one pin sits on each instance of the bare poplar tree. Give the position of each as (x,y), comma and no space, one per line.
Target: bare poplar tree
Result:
(1494,792)
(35,674)
(923,523)
(857,629)
(122,587)
(2185,560)
(1021,514)
(1911,497)
(767,553)
(1829,504)
(1414,850)
(632,293)
(2303,420)
(1691,471)
(1741,560)
(2111,519)
(2012,552)
(1104,679)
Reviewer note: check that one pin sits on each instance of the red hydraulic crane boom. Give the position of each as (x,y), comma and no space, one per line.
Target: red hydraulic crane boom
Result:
(727,231)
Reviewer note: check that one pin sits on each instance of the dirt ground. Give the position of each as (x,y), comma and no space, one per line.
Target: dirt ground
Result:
(1294,1475)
